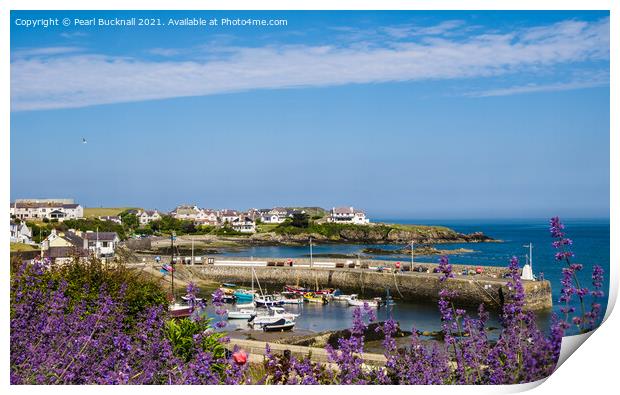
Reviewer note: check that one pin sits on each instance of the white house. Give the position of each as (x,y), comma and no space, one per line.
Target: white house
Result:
(62,247)
(278,215)
(39,209)
(206,217)
(187,212)
(244,225)
(348,215)
(100,244)
(228,216)
(148,216)
(112,218)
(20,233)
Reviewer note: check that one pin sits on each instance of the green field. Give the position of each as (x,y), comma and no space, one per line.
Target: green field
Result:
(19,247)
(103,211)
(263,228)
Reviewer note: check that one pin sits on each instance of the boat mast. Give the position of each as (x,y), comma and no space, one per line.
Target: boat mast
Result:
(172,236)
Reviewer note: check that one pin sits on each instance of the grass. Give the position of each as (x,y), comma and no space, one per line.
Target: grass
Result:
(263,228)
(103,211)
(21,247)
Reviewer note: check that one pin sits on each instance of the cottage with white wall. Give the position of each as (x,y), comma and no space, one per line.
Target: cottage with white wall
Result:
(148,216)
(20,233)
(244,225)
(348,215)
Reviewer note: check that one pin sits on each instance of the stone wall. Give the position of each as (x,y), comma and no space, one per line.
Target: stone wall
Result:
(413,286)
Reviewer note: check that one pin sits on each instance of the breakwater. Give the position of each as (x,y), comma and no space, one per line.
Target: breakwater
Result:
(489,288)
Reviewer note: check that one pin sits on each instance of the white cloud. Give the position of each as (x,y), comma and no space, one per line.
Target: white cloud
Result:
(535,88)
(48,82)
(44,51)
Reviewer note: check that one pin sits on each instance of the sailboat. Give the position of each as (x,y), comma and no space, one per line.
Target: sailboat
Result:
(246,309)
(176,310)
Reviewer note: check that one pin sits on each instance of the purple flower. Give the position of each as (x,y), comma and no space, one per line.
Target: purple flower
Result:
(445,268)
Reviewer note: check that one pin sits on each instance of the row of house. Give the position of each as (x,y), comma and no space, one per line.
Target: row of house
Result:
(246,221)
(51,209)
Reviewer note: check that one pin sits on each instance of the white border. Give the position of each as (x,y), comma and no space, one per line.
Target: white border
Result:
(592,369)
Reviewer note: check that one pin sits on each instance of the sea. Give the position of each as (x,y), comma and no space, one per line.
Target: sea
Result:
(591,246)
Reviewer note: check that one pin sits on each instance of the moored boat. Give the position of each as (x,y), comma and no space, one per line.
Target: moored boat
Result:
(376,302)
(291,298)
(311,297)
(267,301)
(242,314)
(244,295)
(344,298)
(177,310)
(187,299)
(274,316)
(280,325)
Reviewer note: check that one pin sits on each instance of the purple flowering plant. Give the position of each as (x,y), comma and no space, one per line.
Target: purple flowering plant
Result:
(68,327)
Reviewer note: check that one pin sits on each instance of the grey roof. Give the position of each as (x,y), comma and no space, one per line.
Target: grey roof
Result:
(343,210)
(74,239)
(102,236)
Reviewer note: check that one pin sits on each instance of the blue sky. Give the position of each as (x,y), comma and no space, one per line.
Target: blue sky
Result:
(411,114)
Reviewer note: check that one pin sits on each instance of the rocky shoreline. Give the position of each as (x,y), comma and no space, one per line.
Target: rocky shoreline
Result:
(422,236)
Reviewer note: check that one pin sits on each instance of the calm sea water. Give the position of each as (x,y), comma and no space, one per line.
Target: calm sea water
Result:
(591,247)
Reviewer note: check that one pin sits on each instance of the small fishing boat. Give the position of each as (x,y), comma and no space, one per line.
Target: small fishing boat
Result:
(177,310)
(311,297)
(242,314)
(302,291)
(344,298)
(296,290)
(274,317)
(227,298)
(291,298)
(228,288)
(267,301)
(376,302)
(280,311)
(187,299)
(244,295)
(279,326)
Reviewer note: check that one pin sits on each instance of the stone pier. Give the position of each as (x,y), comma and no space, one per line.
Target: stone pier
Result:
(489,287)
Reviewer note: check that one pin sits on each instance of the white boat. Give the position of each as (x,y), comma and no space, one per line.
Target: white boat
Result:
(243,314)
(280,325)
(345,298)
(186,299)
(268,301)
(361,302)
(292,301)
(274,315)
(283,313)
(177,310)
(245,306)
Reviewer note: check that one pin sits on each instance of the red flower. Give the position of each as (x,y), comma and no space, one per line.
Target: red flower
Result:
(240,357)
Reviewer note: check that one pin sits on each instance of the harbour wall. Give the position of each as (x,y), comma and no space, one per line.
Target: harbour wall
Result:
(410,286)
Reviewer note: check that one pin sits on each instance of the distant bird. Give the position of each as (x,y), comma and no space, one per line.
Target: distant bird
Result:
(84,140)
